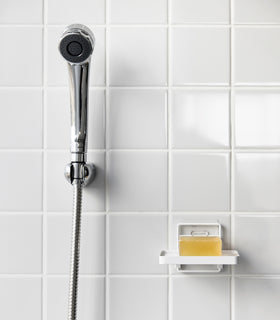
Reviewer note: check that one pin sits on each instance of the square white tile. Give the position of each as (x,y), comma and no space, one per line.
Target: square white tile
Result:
(71,11)
(138,299)
(137,181)
(135,242)
(15,11)
(20,298)
(57,72)
(58,119)
(138,11)
(256,11)
(257,298)
(21,243)
(22,68)
(256,55)
(200,11)
(199,297)
(257,181)
(59,231)
(200,181)
(91,298)
(59,190)
(138,56)
(200,55)
(21,181)
(256,239)
(21,118)
(200,119)
(137,119)
(256,118)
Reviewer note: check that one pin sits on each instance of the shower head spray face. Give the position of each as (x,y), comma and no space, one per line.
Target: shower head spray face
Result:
(76,44)
(76,47)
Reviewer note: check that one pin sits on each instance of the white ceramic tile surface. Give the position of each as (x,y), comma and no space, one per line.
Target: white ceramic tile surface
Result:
(59,231)
(257,239)
(71,11)
(20,298)
(138,56)
(138,299)
(256,118)
(257,181)
(256,55)
(200,55)
(257,11)
(91,298)
(257,298)
(21,181)
(200,11)
(21,243)
(21,123)
(57,73)
(137,181)
(200,181)
(59,191)
(21,61)
(200,298)
(16,11)
(135,242)
(58,119)
(200,119)
(137,119)
(138,11)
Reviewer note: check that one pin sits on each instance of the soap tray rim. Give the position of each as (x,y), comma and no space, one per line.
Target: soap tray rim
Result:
(228,257)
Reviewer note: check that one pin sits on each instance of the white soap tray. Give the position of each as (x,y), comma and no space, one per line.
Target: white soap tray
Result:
(199,264)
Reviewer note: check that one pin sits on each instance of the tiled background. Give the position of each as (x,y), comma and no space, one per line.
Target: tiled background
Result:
(184,125)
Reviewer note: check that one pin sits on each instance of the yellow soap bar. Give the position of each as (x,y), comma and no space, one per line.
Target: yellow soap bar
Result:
(200,246)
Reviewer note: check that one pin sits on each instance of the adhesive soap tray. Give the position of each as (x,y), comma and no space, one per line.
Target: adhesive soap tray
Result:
(198,264)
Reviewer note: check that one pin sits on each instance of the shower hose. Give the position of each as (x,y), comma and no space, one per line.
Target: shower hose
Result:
(75,249)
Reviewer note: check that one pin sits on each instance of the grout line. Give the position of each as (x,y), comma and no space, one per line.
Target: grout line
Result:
(107,99)
(169,179)
(232,145)
(190,86)
(44,234)
(252,150)
(149,25)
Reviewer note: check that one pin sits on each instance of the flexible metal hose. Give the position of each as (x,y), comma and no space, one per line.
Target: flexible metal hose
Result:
(75,249)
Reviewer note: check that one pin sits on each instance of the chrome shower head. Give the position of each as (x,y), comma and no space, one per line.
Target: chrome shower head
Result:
(76,44)
(76,47)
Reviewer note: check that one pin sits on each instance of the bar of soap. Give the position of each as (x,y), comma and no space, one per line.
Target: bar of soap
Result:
(200,246)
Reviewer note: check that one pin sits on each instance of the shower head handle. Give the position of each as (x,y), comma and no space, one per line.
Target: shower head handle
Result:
(76,46)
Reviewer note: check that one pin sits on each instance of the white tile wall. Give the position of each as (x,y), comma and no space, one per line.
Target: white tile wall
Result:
(58,237)
(201,298)
(138,56)
(20,298)
(91,298)
(200,181)
(134,243)
(200,55)
(138,298)
(183,127)
(256,298)
(200,119)
(131,111)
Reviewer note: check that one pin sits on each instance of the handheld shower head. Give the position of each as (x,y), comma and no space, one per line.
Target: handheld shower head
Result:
(76,47)
(76,44)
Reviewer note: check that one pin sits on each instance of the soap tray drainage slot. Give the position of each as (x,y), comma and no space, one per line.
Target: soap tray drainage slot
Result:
(199,264)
